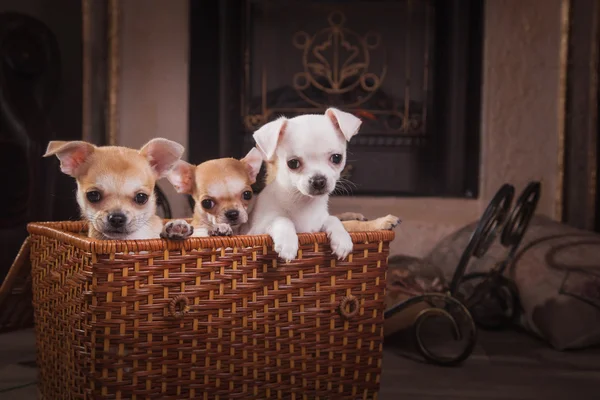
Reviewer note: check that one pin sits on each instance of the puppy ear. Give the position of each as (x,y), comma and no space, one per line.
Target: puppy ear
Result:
(72,155)
(162,155)
(182,177)
(344,122)
(268,135)
(253,161)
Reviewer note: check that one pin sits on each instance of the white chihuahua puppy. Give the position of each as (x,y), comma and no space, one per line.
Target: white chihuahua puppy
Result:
(305,156)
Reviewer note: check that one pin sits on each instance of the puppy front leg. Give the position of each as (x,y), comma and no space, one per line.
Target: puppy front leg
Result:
(177,230)
(339,238)
(386,223)
(200,232)
(285,239)
(213,230)
(220,230)
(351,216)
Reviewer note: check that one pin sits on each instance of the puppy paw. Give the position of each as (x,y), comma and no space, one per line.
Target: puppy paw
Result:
(221,230)
(351,216)
(177,230)
(287,249)
(341,244)
(387,223)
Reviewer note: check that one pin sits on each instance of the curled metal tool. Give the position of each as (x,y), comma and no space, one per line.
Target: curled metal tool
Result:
(493,300)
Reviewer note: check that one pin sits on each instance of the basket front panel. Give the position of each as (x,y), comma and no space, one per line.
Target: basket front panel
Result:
(233,323)
(59,285)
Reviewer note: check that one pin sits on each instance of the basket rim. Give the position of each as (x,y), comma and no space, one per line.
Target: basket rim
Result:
(70,232)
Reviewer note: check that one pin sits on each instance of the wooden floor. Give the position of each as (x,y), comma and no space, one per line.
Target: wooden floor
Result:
(504,365)
(507,365)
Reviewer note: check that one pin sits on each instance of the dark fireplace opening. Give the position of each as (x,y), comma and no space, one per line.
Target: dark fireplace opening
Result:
(411,70)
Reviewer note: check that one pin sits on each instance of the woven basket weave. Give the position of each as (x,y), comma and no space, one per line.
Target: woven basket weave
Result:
(214,318)
(16,309)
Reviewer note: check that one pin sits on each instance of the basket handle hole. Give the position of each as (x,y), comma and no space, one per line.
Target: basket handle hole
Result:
(349,306)
(179,306)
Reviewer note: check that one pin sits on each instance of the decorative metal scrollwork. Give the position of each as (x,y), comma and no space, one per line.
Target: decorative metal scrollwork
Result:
(492,219)
(346,68)
(493,301)
(454,311)
(337,60)
(517,224)
(445,306)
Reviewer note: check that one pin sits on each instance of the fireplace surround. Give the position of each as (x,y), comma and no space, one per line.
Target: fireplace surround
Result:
(410,69)
(526,60)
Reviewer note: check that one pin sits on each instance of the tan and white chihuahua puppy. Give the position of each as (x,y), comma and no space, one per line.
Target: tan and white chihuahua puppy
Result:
(222,191)
(224,195)
(115,187)
(306,155)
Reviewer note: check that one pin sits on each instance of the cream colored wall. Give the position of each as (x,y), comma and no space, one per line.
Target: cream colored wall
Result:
(520,125)
(519,108)
(153,94)
(519,130)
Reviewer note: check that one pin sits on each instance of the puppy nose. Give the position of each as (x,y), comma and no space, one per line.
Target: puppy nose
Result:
(318,182)
(232,215)
(117,220)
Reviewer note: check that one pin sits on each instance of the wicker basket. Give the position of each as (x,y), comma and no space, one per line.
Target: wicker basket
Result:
(206,318)
(16,309)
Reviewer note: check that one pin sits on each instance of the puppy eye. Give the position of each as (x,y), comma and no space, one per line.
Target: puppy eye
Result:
(141,198)
(93,196)
(336,158)
(293,163)
(207,204)
(247,195)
